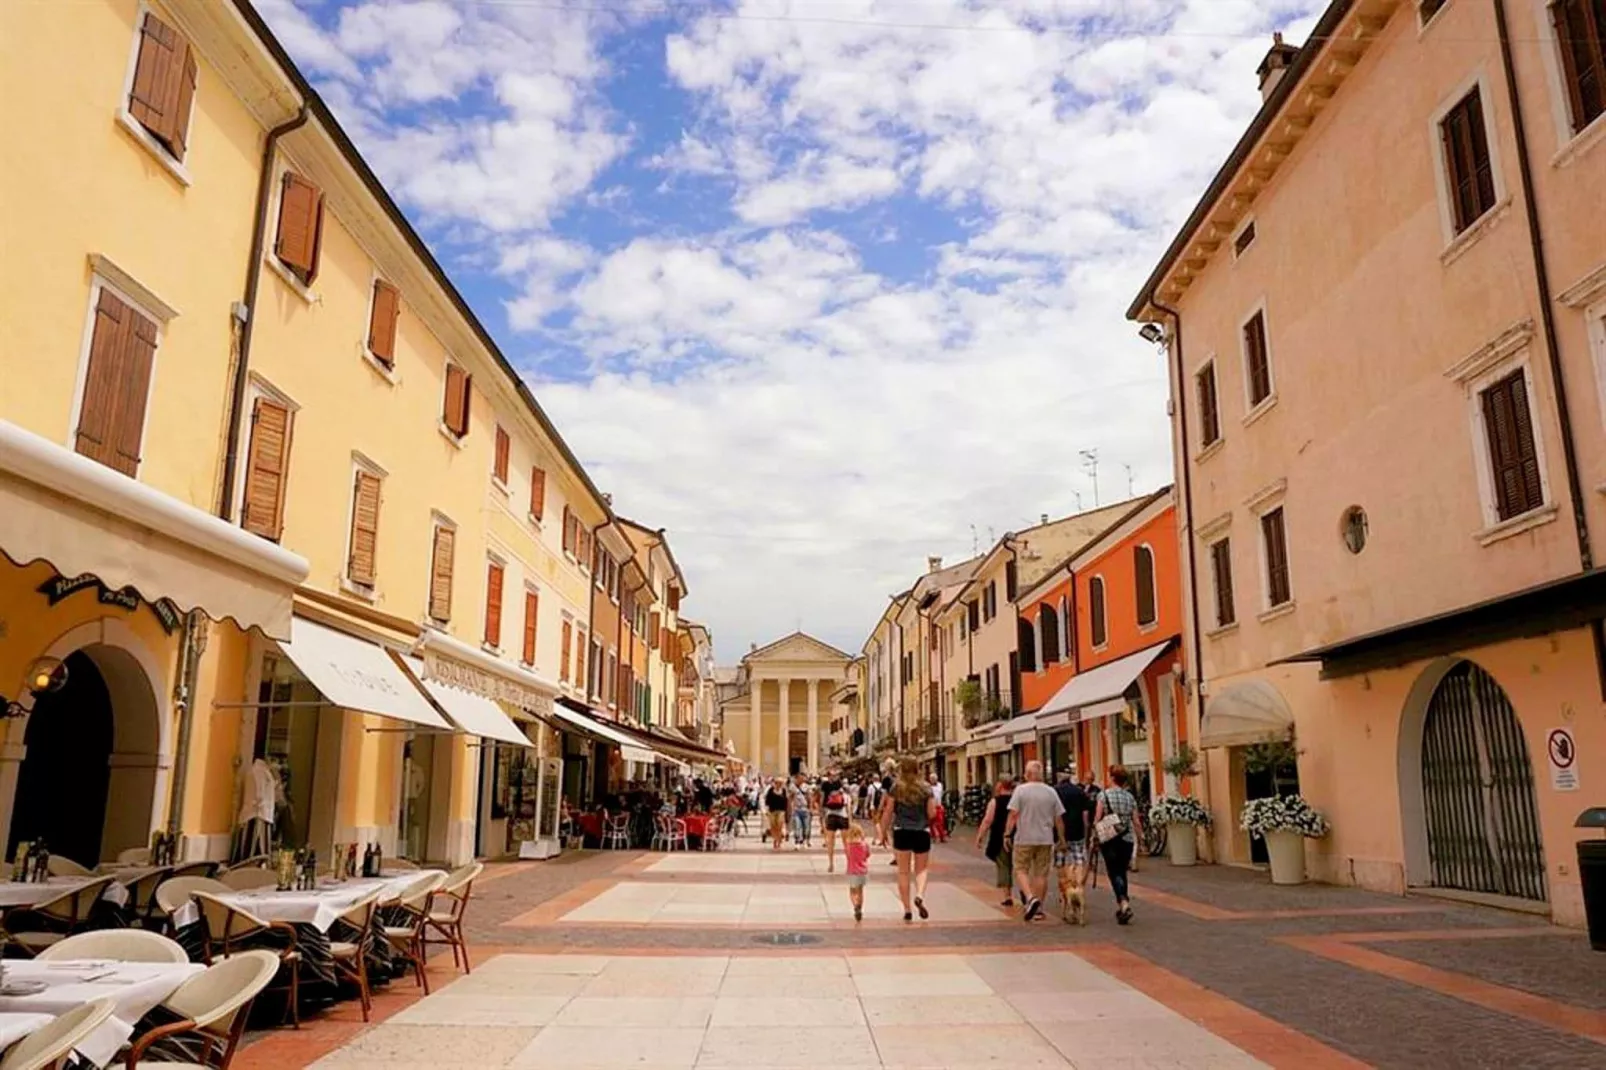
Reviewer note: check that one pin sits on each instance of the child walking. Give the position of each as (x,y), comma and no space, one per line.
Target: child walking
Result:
(857,848)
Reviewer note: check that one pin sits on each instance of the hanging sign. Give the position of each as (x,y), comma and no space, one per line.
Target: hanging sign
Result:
(58,588)
(1563,754)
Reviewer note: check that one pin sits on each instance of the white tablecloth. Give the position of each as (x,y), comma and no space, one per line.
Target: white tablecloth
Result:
(27,893)
(318,908)
(135,986)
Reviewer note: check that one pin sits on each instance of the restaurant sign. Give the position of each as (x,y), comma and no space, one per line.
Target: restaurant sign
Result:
(58,588)
(492,685)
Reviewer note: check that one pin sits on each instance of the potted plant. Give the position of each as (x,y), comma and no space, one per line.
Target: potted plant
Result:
(1284,822)
(967,696)
(1180,814)
(1184,763)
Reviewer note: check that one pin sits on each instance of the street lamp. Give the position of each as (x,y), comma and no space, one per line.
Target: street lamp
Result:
(45,675)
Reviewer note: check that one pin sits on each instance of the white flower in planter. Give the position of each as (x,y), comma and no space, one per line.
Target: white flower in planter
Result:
(1284,813)
(1179,810)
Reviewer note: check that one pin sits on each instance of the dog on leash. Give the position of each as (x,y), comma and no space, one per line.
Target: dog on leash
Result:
(1073,898)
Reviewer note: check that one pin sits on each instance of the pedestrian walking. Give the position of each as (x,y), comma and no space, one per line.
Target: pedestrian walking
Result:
(776,806)
(998,847)
(1070,861)
(939,827)
(908,811)
(857,849)
(802,814)
(1118,826)
(834,801)
(1034,822)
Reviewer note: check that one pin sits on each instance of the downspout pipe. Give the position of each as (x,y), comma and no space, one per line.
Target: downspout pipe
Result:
(1547,319)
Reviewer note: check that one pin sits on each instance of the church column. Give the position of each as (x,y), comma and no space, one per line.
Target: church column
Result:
(814,726)
(755,729)
(786,727)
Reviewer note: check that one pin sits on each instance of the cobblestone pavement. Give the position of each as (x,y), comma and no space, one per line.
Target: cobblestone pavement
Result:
(627,958)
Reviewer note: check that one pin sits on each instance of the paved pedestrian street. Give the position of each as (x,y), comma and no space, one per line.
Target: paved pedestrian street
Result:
(751,958)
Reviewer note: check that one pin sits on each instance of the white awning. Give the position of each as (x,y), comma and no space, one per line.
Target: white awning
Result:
(474,714)
(83,518)
(1097,692)
(358,675)
(629,749)
(455,663)
(1249,712)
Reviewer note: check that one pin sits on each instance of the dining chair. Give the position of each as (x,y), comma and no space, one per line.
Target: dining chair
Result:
(243,880)
(119,945)
(141,905)
(134,856)
(174,892)
(254,862)
(49,1046)
(351,956)
(59,917)
(407,940)
(446,908)
(62,866)
(212,1007)
(398,864)
(711,832)
(197,869)
(228,927)
(617,832)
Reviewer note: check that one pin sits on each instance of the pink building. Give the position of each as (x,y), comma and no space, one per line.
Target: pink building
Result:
(1386,320)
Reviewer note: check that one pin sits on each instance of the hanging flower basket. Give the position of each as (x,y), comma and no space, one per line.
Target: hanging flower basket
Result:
(1285,822)
(1181,815)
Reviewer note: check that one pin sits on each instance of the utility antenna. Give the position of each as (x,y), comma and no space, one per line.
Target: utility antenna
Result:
(1090,465)
(1078,496)
(1130,492)
(975,541)
(991,537)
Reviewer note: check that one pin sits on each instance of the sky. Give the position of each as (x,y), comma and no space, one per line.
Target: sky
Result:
(821,287)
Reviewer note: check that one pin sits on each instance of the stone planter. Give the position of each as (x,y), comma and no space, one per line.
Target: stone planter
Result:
(1181,844)
(1287,853)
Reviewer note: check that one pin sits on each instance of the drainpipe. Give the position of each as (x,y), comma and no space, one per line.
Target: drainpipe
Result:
(192,642)
(1547,321)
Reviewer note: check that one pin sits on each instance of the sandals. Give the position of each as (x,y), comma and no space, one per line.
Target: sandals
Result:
(920,905)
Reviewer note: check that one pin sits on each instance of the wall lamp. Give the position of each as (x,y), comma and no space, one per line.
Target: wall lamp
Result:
(44,676)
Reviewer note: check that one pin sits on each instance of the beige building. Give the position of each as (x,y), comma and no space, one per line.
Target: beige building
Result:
(780,722)
(1386,319)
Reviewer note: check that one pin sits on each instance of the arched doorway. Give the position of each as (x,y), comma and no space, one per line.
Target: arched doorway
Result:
(1482,822)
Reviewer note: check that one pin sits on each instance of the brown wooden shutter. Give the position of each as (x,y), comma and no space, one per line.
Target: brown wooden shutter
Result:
(1096,609)
(493,604)
(442,563)
(1143,567)
(459,391)
(364,529)
(154,97)
(1257,359)
(1221,566)
(1277,586)
(564,639)
(300,226)
(503,445)
(134,389)
(382,316)
(674,599)
(267,469)
(184,102)
(580,647)
(568,531)
(97,412)
(654,623)
(538,493)
(532,614)
(1467,162)
(1209,415)
(1513,456)
(1581,34)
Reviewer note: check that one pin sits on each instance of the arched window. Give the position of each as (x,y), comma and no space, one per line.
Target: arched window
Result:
(1095,611)
(1048,634)
(1143,568)
(1027,645)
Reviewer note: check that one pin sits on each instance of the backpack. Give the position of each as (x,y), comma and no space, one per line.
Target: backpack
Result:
(835,801)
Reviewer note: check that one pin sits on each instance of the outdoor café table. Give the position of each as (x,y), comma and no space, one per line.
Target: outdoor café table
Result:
(135,987)
(15,894)
(590,827)
(696,826)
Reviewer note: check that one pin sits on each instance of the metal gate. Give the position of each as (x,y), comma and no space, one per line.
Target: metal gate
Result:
(1478,791)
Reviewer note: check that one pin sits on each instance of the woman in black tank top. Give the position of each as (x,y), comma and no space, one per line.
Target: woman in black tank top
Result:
(993,824)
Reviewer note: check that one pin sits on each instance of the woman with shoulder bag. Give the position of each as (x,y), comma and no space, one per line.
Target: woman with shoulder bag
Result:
(1117,826)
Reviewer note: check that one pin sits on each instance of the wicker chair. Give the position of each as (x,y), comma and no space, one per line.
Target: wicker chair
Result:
(446,909)
(351,956)
(59,917)
(119,945)
(50,1045)
(407,941)
(228,928)
(243,880)
(212,1007)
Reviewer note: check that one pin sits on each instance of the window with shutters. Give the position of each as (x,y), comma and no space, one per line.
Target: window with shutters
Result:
(568,531)
(1221,581)
(363,541)
(1468,169)
(384,309)
(1274,543)
(1257,359)
(1009,581)
(565,637)
(1068,631)
(580,647)
(537,494)
(499,458)
(611,680)
(267,466)
(495,573)
(1209,410)
(1048,633)
(161,88)
(973,614)
(299,239)
(1143,573)
(532,618)
(1516,475)
(116,382)
(654,638)
(442,563)
(1580,27)
(1097,627)
(456,401)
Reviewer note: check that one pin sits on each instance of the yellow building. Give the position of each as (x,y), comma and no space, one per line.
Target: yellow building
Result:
(332,462)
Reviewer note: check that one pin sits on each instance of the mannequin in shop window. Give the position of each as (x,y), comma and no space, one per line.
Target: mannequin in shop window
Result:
(261,798)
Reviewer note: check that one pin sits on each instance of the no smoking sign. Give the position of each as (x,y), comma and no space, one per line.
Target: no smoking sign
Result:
(1563,754)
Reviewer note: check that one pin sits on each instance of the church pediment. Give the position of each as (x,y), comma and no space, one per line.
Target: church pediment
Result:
(797,647)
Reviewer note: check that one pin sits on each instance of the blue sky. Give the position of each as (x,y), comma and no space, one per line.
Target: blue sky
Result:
(821,286)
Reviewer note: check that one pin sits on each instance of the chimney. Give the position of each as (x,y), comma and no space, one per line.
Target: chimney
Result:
(933,564)
(1042,518)
(1275,65)
(607,499)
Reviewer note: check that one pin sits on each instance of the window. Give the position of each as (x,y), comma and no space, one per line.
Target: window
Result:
(1209,412)
(612,680)
(1468,171)
(1257,359)
(1513,456)
(1143,570)
(442,558)
(1067,631)
(674,598)
(582,542)
(361,558)
(973,614)
(300,236)
(1009,581)
(117,382)
(1095,610)
(1026,644)
(163,92)
(493,603)
(654,635)
(594,670)
(267,467)
(570,526)
(537,494)
(1275,538)
(1243,240)
(455,405)
(532,617)
(499,464)
(1426,9)
(1581,34)
(1221,575)
(1048,632)
(565,636)
(383,311)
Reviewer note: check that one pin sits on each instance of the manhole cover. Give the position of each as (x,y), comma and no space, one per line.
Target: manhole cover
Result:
(786,939)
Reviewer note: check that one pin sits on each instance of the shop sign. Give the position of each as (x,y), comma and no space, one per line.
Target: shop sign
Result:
(58,588)
(456,673)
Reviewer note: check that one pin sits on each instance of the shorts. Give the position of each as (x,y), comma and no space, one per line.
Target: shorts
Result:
(777,822)
(858,880)
(836,822)
(1072,854)
(1005,865)
(1033,858)
(915,840)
